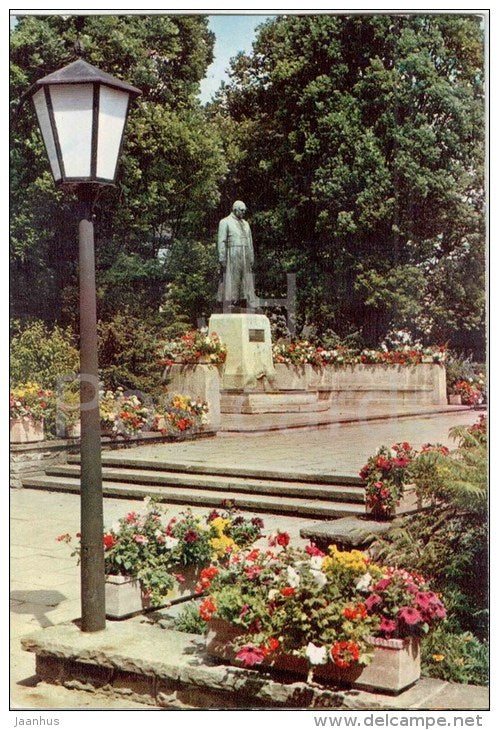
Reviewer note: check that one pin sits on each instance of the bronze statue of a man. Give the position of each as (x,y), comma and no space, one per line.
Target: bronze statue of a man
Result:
(236,258)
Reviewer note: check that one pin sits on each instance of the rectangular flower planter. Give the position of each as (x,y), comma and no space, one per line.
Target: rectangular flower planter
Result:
(408,504)
(26,430)
(296,377)
(396,663)
(455,399)
(124,596)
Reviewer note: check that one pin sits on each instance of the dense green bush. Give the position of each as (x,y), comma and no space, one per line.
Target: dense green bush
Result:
(455,657)
(448,541)
(128,354)
(39,354)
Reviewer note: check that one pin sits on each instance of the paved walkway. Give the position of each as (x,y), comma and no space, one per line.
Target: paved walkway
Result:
(340,448)
(45,578)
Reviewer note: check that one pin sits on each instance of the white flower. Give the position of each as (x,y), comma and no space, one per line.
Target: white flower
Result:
(320,579)
(316,654)
(364,582)
(293,577)
(273,593)
(316,562)
(170,542)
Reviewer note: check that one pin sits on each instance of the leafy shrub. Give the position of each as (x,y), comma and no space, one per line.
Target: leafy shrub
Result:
(189,620)
(454,657)
(448,541)
(128,354)
(40,354)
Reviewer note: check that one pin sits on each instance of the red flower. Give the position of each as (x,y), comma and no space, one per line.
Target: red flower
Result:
(344,653)
(273,644)
(191,536)
(207,609)
(253,555)
(288,591)
(281,538)
(131,517)
(358,611)
(109,541)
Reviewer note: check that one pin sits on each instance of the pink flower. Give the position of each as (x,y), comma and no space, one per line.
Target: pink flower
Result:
(140,539)
(252,571)
(387,625)
(382,584)
(313,550)
(131,517)
(410,615)
(250,655)
(372,601)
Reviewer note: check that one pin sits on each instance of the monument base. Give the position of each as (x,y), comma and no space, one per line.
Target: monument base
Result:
(249,363)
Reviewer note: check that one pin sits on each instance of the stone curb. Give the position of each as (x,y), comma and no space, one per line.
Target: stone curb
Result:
(142,662)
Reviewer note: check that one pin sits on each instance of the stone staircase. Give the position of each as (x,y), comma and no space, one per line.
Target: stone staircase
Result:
(302,494)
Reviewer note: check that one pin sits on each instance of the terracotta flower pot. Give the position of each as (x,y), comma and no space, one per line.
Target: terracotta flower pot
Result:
(455,399)
(396,663)
(26,430)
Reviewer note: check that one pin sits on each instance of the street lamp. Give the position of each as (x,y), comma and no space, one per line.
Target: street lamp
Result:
(82,113)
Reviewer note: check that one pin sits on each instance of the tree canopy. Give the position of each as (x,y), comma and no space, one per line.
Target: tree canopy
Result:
(170,170)
(357,142)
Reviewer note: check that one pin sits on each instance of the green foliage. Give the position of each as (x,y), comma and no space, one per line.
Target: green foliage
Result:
(128,355)
(358,144)
(170,168)
(455,657)
(41,354)
(191,271)
(448,540)
(189,620)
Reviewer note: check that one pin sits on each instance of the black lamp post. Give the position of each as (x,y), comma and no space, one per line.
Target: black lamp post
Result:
(82,113)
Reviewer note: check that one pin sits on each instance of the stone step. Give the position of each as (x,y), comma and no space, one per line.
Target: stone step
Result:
(208,498)
(367,409)
(280,402)
(122,459)
(347,493)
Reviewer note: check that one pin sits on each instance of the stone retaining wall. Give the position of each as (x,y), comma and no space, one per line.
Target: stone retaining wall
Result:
(28,460)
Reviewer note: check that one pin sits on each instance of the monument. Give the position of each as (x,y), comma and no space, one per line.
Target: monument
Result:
(249,364)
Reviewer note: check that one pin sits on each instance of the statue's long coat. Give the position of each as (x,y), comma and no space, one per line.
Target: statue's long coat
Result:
(235,250)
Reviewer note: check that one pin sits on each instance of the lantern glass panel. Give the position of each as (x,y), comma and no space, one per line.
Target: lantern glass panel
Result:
(73,114)
(113,105)
(42,113)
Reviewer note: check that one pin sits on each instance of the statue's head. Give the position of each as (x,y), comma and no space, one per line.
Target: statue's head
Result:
(239,209)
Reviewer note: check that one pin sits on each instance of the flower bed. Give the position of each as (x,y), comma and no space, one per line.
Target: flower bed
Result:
(303,352)
(467,392)
(192,348)
(156,555)
(125,415)
(180,413)
(28,405)
(387,476)
(322,609)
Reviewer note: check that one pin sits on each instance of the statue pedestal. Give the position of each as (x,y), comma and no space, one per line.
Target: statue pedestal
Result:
(249,363)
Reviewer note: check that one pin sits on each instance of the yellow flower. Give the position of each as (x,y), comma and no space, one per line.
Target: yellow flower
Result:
(219,524)
(353,560)
(222,545)
(438,657)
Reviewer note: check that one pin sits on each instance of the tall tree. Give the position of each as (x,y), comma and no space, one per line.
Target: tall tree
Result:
(357,141)
(170,170)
